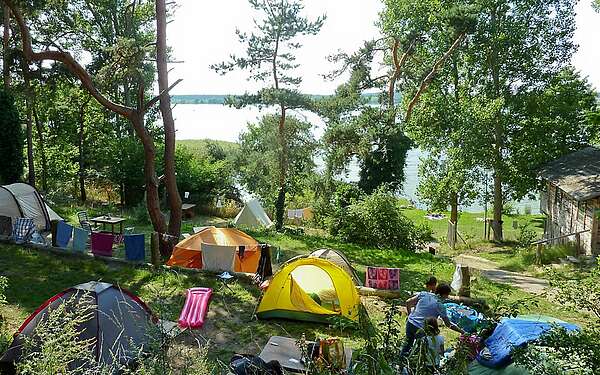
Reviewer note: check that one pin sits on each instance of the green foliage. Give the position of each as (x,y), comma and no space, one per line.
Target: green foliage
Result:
(560,352)
(377,220)
(204,178)
(260,153)
(11,142)
(273,41)
(526,235)
(5,337)
(439,178)
(271,59)
(56,346)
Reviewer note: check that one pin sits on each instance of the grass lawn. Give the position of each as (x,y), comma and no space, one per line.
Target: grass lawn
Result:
(34,276)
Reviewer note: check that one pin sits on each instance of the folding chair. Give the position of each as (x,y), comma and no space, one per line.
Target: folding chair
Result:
(84,221)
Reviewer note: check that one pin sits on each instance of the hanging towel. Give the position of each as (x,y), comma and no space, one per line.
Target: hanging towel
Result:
(63,234)
(80,239)
(383,278)
(23,229)
(134,247)
(265,269)
(5,226)
(218,258)
(102,244)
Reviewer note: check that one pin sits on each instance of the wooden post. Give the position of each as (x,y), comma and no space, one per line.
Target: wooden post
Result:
(154,249)
(538,253)
(451,235)
(578,244)
(465,289)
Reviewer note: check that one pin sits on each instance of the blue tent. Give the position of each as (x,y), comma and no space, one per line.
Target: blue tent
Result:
(512,333)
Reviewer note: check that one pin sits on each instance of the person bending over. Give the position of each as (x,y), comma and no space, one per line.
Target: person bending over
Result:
(431,284)
(422,306)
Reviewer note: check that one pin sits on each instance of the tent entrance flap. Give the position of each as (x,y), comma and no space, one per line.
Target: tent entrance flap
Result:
(305,302)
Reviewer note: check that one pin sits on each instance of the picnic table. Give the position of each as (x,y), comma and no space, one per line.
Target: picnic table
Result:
(187,210)
(109,220)
(285,351)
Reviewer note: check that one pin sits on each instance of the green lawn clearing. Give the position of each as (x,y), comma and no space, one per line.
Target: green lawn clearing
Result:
(36,275)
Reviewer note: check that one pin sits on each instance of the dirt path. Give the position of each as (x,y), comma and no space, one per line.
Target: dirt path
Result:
(491,270)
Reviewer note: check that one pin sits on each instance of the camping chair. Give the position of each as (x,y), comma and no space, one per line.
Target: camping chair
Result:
(218,258)
(84,221)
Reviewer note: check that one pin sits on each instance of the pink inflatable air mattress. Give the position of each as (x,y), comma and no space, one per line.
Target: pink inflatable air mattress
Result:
(195,308)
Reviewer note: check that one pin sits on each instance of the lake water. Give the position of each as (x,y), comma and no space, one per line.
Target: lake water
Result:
(216,121)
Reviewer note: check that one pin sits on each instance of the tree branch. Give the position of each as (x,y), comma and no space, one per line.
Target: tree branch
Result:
(436,67)
(66,58)
(154,100)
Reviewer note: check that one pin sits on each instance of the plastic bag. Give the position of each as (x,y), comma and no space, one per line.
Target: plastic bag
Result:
(457,279)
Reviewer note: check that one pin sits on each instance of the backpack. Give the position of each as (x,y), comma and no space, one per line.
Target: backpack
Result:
(247,364)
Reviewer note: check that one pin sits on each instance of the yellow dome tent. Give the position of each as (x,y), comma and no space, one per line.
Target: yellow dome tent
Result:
(310,289)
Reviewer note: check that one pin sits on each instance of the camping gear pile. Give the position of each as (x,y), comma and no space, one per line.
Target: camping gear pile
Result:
(490,345)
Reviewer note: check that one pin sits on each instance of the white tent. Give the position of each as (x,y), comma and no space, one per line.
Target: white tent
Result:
(252,216)
(22,200)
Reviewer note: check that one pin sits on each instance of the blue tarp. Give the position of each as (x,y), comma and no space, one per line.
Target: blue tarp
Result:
(512,333)
(463,316)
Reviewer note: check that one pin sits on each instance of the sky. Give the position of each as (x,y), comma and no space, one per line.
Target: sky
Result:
(203,33)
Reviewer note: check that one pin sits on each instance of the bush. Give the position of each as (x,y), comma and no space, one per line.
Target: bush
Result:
(204,178)
(5,337)
(377,220)
(526,236)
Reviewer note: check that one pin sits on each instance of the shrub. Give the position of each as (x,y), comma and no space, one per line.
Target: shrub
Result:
(5,337)
(526,235)
(377,220)
(56,347)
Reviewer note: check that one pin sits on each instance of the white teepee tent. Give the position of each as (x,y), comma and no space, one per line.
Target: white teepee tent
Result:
(252,216)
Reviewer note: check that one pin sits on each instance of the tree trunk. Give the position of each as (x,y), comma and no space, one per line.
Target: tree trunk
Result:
(498,137)
(29,107)
(498,200)
(283,169)
(6,48)
(174,198)
(82,174)
(152,198)
(454,207)
(41,144)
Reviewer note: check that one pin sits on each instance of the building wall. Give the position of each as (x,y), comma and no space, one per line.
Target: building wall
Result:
(566,215)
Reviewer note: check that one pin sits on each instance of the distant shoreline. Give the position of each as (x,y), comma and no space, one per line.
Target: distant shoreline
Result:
(372,98)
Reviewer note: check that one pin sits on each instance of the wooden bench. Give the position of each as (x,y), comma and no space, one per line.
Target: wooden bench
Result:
(187,210)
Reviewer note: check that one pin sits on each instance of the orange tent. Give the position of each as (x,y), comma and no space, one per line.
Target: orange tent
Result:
(188,253)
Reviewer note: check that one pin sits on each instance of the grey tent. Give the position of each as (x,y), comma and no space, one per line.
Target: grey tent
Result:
(22,200)
(339,259)
(119,326)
